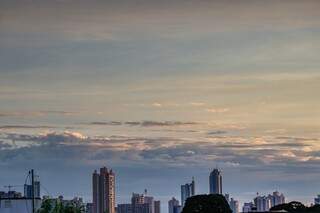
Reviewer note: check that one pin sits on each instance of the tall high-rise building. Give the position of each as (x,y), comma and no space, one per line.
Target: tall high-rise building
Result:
(262,203)
(215,182)
(187,190)
(28,189)
(173,206)
(103,191)
(317,200)
(157,206)
(276,198)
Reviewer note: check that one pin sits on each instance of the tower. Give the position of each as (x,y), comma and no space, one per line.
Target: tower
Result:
(215,182)
(103,191)
(187,190)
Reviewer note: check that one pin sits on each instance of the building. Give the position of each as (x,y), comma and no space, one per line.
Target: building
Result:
(262,203)
(28,189)
(248,207)
(103,191)
(234,205)
(277,198)
(157,206)
(18,205)
(215,182)
(124,208)
(173,206)
(76,202)
(10,194)
(187,190)
(140,203)
(317,200)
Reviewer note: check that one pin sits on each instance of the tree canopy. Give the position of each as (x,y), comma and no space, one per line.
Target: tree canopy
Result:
(213,203)
(296,207)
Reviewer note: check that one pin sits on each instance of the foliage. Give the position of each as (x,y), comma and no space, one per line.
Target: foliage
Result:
(213,203)
(58,207)
(296,207)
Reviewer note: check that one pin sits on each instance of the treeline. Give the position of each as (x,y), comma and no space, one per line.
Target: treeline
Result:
(296,207)
(55,206)
(215,203)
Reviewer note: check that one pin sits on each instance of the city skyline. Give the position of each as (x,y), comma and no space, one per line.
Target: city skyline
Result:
(161,90)
(103,194)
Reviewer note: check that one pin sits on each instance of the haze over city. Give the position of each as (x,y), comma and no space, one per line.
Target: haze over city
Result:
(161,91)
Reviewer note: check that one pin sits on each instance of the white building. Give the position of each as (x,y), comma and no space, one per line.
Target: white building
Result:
(234,205)
(248,207)
(18,205)
(262,203)
(277,198)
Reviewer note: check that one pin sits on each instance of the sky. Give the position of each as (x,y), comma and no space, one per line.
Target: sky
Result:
(161,91)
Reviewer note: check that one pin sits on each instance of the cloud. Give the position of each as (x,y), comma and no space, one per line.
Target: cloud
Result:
(197,104)
(156,104)
(217,132)
(39,113)
(112,123)
(147,123)
(165,151)
(217,110)
(166,123)
(26,127)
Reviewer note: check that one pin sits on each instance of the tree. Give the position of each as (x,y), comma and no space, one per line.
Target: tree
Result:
(292,207)
(314,209)
(213,203)
(47,207)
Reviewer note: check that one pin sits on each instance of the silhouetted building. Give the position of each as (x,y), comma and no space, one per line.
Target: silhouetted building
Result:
(215,182)
(103,190)
(187,190)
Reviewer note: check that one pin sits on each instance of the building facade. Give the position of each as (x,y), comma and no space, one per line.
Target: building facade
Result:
(317,200)
(28,189)
(124,208)
(174,206)
(248,207)
(103,191)
(18,205)
(234,205)
(157,206)
(262,203)
(277,198)
(187,190)
(215,182)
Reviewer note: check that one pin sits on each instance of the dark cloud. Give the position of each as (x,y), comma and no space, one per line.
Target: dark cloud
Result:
(217,132)
(112,123)
(26,127)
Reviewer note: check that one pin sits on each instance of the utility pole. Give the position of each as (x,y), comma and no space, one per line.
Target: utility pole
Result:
(32,190)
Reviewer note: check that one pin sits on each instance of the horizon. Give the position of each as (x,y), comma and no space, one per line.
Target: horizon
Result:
(161,90)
